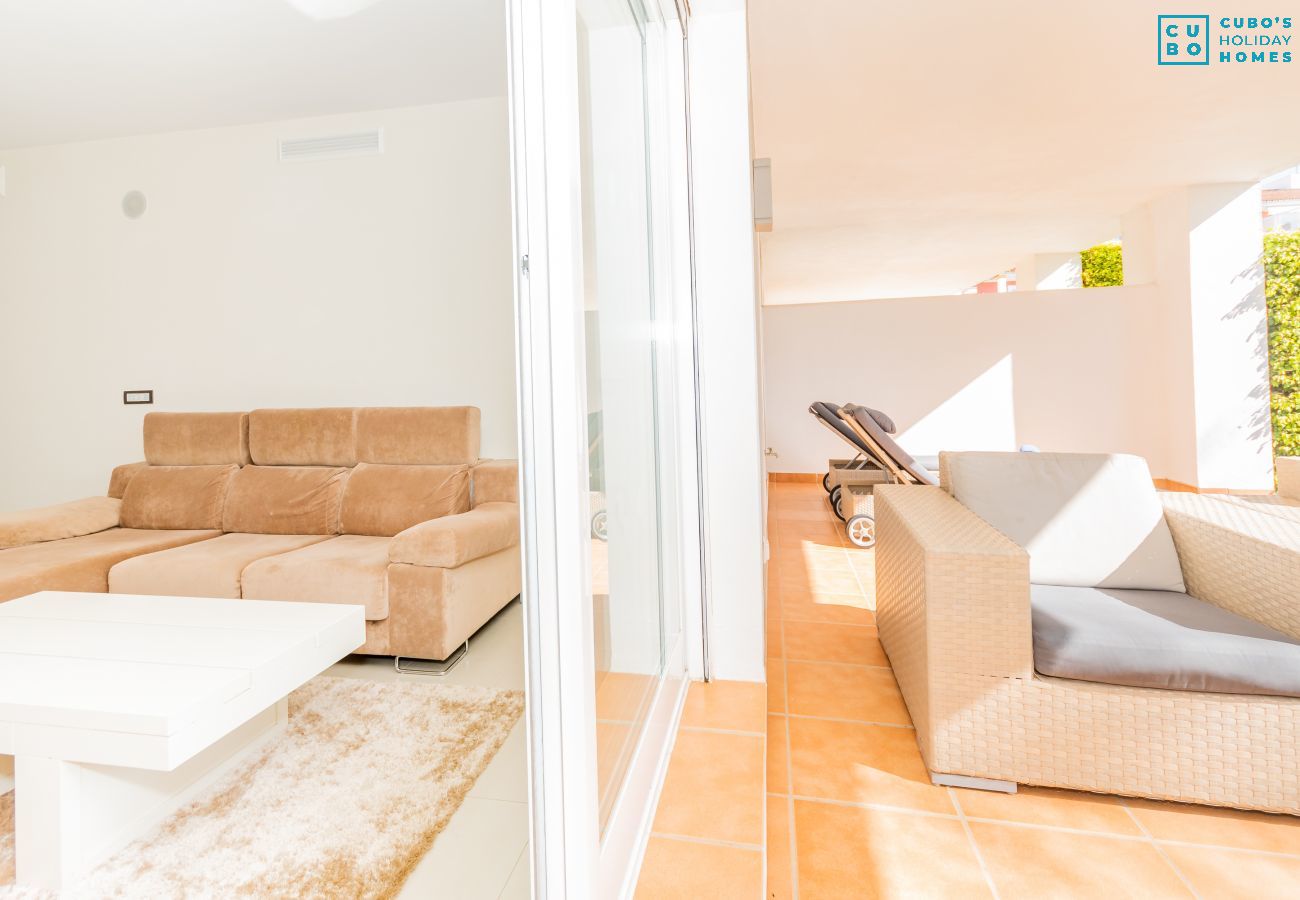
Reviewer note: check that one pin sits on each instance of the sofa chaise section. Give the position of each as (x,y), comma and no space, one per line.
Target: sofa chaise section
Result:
(83,563)
(175,498)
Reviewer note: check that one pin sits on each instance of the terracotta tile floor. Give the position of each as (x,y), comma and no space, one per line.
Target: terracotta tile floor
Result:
(851,812)
(707,838)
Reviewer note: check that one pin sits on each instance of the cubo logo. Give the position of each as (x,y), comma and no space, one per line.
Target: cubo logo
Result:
(1183,40)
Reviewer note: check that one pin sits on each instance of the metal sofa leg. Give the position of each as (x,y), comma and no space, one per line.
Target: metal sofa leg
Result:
(431,666)
(970,781)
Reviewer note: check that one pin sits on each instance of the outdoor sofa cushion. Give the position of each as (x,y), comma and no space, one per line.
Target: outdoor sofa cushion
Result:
(1086,519)
(1158,639)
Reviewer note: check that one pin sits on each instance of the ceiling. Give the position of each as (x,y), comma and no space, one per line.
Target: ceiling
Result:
(919,148)
(76,70)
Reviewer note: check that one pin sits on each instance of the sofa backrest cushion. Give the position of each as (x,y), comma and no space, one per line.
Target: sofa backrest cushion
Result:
(285,500)
(196,439)
(1086,519)
(495,481)
(122,476)
(418,435)
(176,497)
(383,500)
(302,437)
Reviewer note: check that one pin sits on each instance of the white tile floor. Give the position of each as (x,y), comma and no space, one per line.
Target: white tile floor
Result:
(482,853)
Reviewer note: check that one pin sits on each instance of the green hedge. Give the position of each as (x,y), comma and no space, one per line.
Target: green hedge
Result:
(1103,266)
(1282,292)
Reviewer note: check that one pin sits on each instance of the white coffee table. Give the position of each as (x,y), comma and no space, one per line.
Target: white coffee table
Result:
(117,708)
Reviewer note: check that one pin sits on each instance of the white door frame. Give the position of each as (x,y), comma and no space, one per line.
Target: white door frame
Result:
(568,857)
(559,646)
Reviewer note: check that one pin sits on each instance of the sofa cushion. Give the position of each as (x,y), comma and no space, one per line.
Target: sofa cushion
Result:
(383,500)
(81,563)
(176,497)
(285,500)
(347,569)
(418,435)
(302,437)
(1158,639)
(207,569)
(196,439)
(54,523)
(1086,519)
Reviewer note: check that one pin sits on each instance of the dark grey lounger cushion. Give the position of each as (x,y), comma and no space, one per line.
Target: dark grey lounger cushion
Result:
(1158,639)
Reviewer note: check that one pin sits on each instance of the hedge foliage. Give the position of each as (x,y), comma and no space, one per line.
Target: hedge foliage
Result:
(1282,293)
(1103,266)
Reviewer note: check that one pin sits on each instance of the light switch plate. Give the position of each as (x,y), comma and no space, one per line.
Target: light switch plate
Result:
(132,398)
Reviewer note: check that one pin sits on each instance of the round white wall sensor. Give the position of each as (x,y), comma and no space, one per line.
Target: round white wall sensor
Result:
(134,204)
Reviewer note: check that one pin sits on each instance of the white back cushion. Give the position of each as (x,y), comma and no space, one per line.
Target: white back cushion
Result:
(1086,519)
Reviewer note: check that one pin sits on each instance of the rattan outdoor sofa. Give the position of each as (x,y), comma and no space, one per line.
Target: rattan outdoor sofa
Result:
(955,617)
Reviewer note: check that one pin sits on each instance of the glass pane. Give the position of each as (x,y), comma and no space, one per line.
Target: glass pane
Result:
(623,402)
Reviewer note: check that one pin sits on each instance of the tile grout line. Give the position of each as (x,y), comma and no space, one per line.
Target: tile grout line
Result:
(908,727)
(711,842)
(974,845)
(1160,850)
(1036,826)
(522,854)
(704,729)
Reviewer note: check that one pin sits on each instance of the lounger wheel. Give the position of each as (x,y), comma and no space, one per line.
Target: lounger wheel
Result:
(826,482)
(600,526)
(837,494)
(862,531)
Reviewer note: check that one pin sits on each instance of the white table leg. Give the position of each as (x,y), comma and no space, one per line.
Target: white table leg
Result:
(47,821)
(69,817)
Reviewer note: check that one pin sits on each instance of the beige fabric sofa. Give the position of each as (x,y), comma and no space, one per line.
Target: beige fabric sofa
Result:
(954,617)
(386,507)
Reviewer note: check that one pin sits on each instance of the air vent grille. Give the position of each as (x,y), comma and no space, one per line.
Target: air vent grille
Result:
(333,146)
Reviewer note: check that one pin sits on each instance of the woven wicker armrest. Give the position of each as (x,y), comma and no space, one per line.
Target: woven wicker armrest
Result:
(952,591)
(1240,559)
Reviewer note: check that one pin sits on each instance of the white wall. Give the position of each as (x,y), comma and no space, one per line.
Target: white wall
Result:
(1065,370)
(381,280)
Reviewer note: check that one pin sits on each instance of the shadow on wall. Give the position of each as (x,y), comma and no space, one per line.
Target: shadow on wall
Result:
(1063,370)
(1253,304)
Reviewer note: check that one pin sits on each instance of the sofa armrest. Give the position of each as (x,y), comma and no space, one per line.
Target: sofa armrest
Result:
(952,592)
(452,541)
(54,523)
(1238,558)
(1288,477)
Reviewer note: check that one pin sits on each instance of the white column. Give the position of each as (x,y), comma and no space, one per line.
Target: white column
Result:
(1203,244)
(728,334)
(1049,272)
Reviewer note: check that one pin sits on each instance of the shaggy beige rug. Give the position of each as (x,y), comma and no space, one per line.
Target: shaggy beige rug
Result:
(343,804)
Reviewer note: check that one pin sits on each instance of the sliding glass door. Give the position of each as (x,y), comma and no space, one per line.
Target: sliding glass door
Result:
(632,499)
(607,421)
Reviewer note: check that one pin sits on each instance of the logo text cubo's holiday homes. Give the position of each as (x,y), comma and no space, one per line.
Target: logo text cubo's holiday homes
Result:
(1196,40)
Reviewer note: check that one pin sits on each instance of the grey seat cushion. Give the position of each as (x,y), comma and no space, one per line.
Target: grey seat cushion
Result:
(1158,639)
